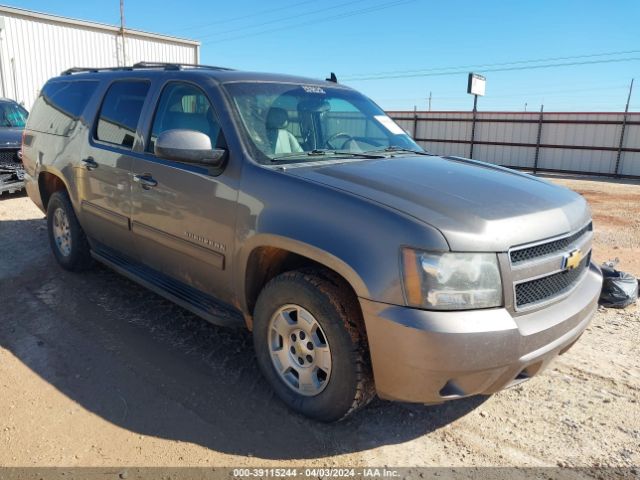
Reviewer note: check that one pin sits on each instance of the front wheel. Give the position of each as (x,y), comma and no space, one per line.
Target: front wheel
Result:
(310,344)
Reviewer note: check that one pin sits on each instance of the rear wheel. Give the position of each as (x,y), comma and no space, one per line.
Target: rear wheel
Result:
(310,344)
(66,237)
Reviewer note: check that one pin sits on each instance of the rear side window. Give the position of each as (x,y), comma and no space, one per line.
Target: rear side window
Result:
(60,106)
(120,112)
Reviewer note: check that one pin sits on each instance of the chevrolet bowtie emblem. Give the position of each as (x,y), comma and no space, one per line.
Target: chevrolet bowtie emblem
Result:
(572,259)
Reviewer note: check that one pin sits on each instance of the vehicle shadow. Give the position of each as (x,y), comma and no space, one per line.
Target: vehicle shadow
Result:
(146,365)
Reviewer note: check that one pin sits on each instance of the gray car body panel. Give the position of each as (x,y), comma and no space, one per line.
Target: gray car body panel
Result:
(352,216)
(476,206)
(304,220)
(446,355)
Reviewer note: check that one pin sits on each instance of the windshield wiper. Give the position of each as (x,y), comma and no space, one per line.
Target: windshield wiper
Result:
(393,149)
(359,154)
(322,152)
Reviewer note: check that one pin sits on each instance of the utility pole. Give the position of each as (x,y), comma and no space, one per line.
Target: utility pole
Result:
(124,50)
(624,127)
(429,101)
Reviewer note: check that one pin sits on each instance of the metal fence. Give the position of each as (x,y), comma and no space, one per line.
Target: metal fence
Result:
(571,142)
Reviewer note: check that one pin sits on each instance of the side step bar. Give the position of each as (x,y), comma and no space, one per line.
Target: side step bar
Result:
(190,298)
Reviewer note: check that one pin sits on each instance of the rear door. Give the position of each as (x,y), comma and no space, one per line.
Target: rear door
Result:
(183,215)
(104,170)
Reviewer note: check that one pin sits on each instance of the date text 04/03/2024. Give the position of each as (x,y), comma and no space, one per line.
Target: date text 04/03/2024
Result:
(315,472)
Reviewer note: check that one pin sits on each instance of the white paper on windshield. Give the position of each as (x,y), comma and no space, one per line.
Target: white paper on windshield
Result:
(389,124)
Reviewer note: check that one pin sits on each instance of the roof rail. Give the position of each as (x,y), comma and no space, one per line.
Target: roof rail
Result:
(141,66)
(177,66)
(72,70)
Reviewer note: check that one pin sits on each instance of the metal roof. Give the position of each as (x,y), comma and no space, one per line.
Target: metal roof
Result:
(93,25)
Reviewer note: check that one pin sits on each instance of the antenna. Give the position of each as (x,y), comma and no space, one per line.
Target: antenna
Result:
(332,78)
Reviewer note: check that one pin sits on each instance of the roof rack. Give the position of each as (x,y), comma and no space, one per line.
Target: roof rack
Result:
(177,66)
(142,66)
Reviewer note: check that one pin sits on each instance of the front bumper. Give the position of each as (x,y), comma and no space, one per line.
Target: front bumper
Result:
(11,186)
(11,174)
(429,357)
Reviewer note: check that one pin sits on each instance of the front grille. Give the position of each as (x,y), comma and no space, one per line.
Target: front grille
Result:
(9,156)
(11,169)
(544,249)
(541,289)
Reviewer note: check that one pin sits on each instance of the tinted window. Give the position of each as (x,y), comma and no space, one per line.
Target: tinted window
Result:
(120,112)
(60,105)
(12,115)
(184,106)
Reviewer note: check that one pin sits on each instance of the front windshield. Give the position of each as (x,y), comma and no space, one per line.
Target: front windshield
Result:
(12,115)
(301,122)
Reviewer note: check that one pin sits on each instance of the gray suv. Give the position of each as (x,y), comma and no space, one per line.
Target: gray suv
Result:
(297,209)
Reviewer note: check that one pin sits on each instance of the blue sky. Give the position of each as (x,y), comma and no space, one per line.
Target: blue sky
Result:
(417,40)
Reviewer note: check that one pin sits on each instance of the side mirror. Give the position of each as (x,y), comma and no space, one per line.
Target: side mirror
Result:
(188,146)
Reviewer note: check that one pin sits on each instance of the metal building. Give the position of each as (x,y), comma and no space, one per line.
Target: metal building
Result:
(36,46)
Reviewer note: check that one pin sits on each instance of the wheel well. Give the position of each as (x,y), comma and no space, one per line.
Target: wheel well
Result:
(266,263)
(49,184)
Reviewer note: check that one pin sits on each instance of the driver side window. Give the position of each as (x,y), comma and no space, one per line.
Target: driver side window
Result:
(185,106)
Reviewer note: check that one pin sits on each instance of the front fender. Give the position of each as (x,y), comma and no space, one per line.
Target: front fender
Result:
(358,238)
(298,247)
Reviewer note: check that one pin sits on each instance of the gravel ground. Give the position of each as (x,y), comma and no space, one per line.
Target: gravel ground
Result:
(97,371)
(616,209)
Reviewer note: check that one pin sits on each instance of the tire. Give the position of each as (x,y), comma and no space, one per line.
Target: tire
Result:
(67,239)
(326,298)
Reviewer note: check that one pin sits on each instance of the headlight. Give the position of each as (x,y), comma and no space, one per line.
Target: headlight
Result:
(451,281)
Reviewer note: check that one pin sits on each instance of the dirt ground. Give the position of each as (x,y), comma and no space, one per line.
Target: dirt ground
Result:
(97,371)
(616,210)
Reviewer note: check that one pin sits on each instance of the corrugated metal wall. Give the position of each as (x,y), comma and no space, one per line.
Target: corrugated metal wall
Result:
(34,47)
(564,141)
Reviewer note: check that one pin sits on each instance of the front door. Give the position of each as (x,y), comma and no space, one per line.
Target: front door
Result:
(104,170)
(183,217)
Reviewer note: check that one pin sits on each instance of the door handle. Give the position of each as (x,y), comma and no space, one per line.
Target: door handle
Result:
(89,163)
(146,181)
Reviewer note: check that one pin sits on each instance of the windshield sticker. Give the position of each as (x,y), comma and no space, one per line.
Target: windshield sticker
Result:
(390,125)
(313,89)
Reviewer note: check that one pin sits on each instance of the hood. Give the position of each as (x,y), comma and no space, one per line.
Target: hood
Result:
(10,137)
(477,206)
